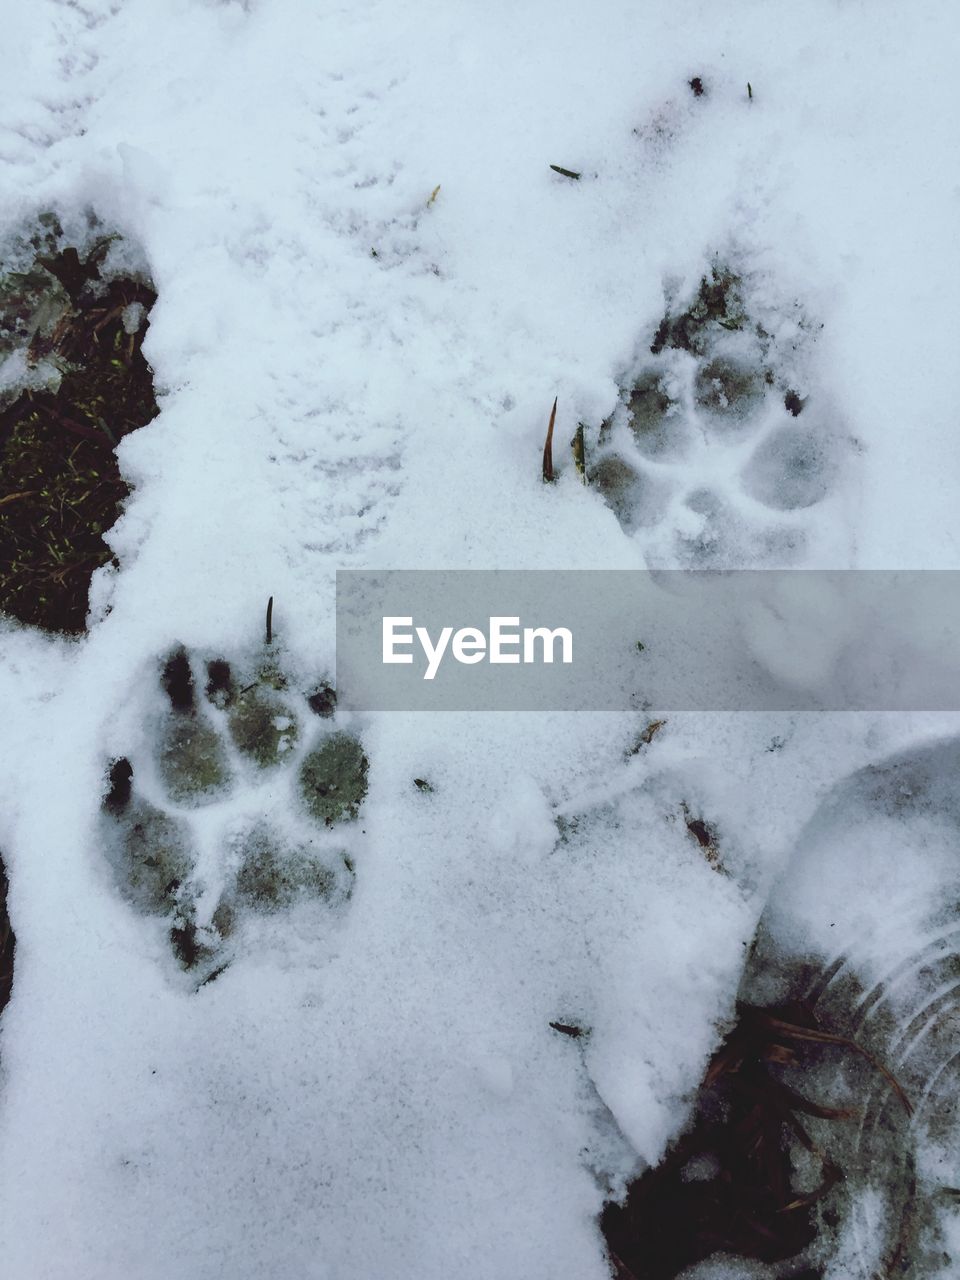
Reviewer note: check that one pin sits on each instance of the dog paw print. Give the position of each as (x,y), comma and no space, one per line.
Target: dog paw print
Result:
(712,451)
(241,801)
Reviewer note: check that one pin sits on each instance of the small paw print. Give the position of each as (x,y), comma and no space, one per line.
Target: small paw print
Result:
(241,801)
(712,452)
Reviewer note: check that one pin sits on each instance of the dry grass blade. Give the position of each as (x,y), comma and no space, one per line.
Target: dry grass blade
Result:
(793,1032)
(797,1102)
(646,737)
(621,1268)
(569,1029)
(651,731)
(548,474)
(831,1176)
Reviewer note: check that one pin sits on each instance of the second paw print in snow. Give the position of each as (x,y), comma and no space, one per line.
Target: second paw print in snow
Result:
(712,453)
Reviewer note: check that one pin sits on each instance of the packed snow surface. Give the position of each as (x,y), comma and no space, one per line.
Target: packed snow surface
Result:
(355,369)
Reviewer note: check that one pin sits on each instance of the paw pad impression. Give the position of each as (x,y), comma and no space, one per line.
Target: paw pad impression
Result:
(241,802)
(711,443)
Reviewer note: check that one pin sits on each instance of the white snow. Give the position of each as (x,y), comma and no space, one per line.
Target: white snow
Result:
(353,375)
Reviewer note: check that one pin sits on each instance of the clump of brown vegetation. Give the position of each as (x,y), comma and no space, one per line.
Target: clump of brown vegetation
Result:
(730,1185)
(81,385)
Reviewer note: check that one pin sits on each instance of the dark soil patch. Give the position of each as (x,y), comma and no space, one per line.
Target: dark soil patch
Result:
(718,304)
(60,486)
(730,1185)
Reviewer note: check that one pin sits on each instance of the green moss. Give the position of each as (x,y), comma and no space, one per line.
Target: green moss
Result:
(271,878)
(263,725)
(648,402)
(149,852)
(333,778)
(649,406)
(729,388)
(148,849)
(191,759)
(622,487)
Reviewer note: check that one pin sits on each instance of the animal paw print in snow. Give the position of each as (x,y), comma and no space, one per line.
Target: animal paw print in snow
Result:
(712,451)
(241,802)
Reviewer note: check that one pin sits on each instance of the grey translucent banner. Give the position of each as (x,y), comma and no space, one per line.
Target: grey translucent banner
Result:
(599,640)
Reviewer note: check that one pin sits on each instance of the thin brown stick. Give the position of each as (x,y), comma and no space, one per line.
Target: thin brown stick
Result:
(548,446)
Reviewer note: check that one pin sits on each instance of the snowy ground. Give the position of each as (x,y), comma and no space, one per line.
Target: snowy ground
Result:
(351,375)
